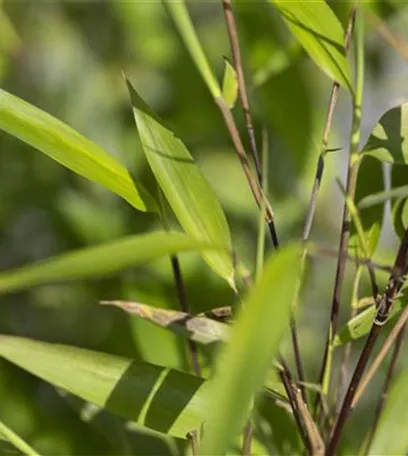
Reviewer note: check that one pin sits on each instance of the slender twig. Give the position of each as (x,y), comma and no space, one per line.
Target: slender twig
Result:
(384,393)
(392,336)
(179,282)
(182,297)
(194,437)
(352,173)
(286,379)
(347,351)
(384,304)
(323,251)
(247,441)
(386,34)
(242,90)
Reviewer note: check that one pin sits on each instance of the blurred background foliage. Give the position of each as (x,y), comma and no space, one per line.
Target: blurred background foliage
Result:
(66,58)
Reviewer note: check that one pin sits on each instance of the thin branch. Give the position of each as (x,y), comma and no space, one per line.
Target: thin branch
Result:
(392,336)
(320,250)
(384,304)
(247,441)
(386,34)
(243,95)
(384,394)
(182,298)
(354,161)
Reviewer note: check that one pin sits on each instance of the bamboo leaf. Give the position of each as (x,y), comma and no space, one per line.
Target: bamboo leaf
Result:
(321,34)
(200,329)
(184,186)
(388,141)
(258,330)
(16,442)
(360,325)
(391,436)
(382,197)
(69,148)
(158,398)
(102,260)
(229,84)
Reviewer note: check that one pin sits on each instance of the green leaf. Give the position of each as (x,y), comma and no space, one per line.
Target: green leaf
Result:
(230,85)
(399,207)
(102,260)
(391,436)
(158,398)
(382,197)
(69,148)
(388,141)
(243,364)
(184,186)
(370,181)
(360,325)
(321,34)
(200,329)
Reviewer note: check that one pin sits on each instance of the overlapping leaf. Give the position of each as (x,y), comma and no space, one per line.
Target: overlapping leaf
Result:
(184,186)
(66,146)
(159,398)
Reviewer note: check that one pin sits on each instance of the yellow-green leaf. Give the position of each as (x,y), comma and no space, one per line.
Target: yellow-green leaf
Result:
(230,85)
(321,34)
(69,148)
(184,186)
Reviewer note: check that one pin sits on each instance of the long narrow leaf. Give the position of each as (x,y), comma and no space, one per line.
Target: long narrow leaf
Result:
(244,363)
(159,398)
(320,33)
(106,259)
(66,146)
(184,186)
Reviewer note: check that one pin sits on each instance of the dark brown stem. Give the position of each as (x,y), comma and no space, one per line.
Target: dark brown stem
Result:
(243,95)
(353,167)
(247,442)
(182,298)
(286,378)
(256,189)
(384,394)
(394,285)
(355,380)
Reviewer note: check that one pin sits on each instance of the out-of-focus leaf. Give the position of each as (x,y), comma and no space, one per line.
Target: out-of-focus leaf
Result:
(184,186)
(370,181)
(382,197)
(101,260)
(158,398)
(320,33)
(16,442)
(399,207)
(258,330)
(360,325)
(391,436)
(230,84)
(66,146)
(388,141)
(200,329)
